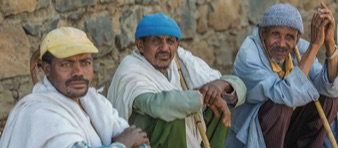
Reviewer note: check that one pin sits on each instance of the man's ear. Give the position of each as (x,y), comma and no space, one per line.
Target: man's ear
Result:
(262,33)
(46,68)
(140,45)
(298,37)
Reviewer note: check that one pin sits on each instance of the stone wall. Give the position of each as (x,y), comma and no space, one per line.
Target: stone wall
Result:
(212,30)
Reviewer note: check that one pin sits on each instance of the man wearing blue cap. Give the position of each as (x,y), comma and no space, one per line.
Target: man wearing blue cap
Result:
(161,86)
(283,78)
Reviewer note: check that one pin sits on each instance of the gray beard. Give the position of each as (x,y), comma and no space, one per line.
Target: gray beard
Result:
(279,61)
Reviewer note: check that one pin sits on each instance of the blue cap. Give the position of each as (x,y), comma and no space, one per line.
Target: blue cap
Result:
(282,15)
(157,24)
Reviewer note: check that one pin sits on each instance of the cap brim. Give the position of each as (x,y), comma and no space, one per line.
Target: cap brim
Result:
(73,49)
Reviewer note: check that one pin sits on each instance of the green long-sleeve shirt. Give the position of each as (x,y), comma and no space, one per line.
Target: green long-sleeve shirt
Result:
(178,104)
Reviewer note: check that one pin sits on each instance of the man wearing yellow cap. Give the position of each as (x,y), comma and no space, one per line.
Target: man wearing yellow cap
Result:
(161,87)
(62,110)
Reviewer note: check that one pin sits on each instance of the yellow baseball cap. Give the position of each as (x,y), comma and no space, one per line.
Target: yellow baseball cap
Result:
(65,42)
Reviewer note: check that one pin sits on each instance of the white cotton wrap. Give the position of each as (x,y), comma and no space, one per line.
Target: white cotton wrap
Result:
(47,118)
(136,76)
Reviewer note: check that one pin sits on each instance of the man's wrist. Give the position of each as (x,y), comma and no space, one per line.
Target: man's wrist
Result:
(118,145)
(333,55)
(230,98)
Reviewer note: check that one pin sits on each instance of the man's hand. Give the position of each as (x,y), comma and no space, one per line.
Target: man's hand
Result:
(214,89)
(211,93)
(326,14)
(132,137)
(221,104)
(322,26)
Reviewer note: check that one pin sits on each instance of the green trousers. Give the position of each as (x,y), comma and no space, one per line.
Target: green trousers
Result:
(164,134)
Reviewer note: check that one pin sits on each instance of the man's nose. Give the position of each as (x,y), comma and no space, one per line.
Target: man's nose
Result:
(282,43)
(77,69)
(165,46)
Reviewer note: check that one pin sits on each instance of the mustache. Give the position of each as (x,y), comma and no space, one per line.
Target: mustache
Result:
(76,79)
(162,52)
(279,49)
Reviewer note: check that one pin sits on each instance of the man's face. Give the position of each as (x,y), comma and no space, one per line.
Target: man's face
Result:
(158,50)
(71,76)
(279,41)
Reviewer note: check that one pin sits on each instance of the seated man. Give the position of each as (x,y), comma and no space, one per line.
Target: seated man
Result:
(63,111)
(161,87)
(284,77)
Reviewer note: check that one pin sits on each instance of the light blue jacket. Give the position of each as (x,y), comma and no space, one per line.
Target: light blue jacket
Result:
(253,67)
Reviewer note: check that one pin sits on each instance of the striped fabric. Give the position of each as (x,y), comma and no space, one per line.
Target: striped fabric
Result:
(283,127)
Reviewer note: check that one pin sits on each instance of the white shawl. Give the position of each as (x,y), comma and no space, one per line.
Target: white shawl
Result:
(46,118)
(136,76)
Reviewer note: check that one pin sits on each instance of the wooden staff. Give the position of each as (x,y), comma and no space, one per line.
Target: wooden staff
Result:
(321,113)
(326,124)
(34,66)
(197,118)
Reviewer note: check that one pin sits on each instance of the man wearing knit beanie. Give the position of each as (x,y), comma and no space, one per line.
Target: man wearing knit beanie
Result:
(283,78)
(161,87)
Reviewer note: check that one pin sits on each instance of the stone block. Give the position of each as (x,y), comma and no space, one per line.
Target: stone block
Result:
(9,7)
(202,50)
(187,19)
(175,4)
(76,15)
(65,5)
(14,51)
(225,14)
(128,27)
(202,22)
(106,1)
(49,26)
(6,101)
(42,4)
(146,2)
(99,28)
(257,8)
(31,29)
(125,2)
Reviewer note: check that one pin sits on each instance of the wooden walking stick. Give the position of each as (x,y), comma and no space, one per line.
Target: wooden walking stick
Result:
(321,113)
(34,66)
(326,124)
(197,118)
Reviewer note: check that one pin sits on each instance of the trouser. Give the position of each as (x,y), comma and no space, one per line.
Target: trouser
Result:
(284,127)
(172,134)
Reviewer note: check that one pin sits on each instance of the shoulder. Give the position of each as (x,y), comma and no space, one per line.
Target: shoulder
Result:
(94,96)
(250,50)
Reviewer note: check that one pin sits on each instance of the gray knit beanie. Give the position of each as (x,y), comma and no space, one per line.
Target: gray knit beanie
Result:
(282,15)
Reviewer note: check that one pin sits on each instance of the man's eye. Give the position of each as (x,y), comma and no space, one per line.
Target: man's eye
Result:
(275,35)
(171,41)
(156,41)
(290,38)
(65,65)
(87,63)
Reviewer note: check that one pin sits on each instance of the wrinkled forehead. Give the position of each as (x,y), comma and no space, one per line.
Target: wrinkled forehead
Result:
(281,29)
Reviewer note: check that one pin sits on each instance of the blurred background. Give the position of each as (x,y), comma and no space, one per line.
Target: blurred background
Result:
(211,29)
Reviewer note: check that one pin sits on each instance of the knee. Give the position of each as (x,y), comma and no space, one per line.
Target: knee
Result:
(284,112)
(278,112)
